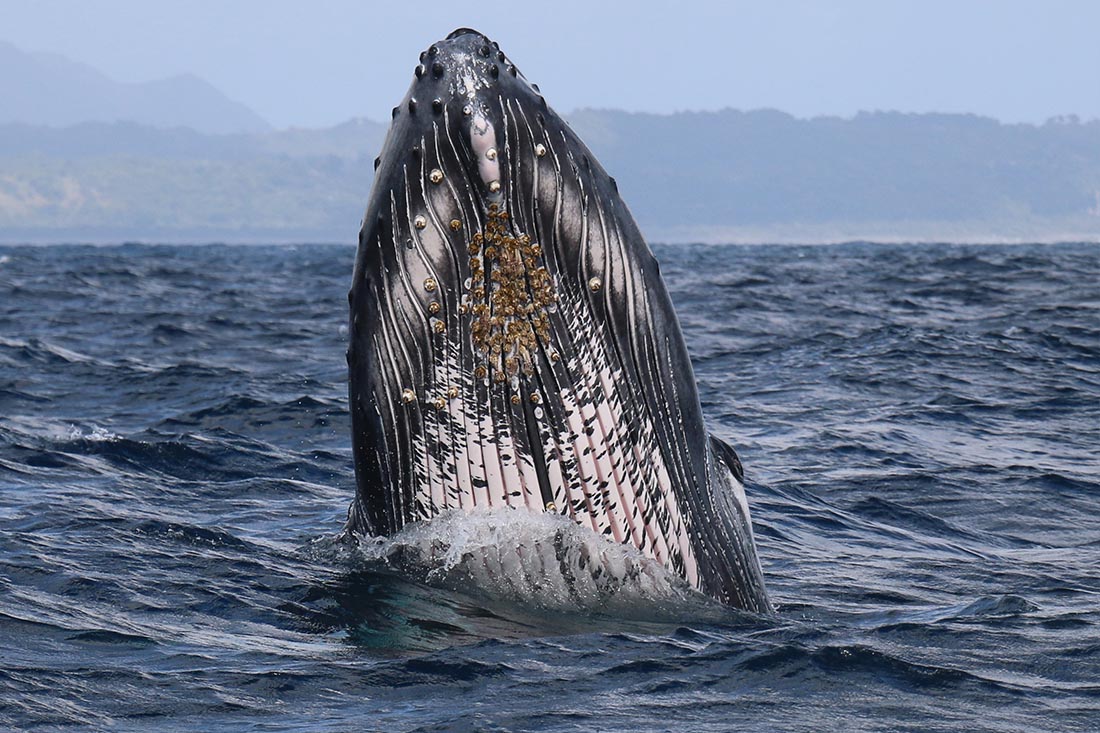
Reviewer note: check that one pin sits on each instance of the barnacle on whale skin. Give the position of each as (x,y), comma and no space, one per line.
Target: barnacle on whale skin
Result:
(510,317)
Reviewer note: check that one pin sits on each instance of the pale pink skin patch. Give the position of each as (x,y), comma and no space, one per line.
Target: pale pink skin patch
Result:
(482,139)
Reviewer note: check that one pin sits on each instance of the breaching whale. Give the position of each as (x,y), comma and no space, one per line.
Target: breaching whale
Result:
(512,343)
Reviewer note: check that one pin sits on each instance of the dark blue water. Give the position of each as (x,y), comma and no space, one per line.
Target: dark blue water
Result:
(920,428)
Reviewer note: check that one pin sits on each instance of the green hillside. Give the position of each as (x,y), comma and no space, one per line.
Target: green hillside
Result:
(716,176)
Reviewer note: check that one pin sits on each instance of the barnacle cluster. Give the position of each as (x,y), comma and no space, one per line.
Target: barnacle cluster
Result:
(510,292)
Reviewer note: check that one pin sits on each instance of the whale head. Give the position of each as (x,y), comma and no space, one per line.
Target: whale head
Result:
(512,343)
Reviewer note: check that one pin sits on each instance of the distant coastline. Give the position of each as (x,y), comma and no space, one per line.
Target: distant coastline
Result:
(711,177)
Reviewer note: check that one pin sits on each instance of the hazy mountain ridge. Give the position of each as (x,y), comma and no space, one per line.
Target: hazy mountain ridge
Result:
(49,89)
(699,176)
(98,139)
(767,171)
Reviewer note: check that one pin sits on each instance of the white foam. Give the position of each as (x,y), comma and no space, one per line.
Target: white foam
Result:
(95,433)
(537,559)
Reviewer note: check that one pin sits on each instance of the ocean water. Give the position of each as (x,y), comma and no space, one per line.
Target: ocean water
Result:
(920,429)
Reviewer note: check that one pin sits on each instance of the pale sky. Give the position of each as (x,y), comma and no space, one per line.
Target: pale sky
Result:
(319,63)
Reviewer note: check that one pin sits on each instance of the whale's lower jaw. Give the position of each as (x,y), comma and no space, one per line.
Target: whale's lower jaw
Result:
(513,344)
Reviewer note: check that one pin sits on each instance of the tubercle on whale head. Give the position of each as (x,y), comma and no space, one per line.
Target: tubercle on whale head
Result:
(460,82)
(449,173)
(480,181)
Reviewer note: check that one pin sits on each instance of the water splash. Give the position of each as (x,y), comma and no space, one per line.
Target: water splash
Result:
(544,562)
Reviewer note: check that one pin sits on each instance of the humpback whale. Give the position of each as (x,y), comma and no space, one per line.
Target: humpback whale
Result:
(512,343)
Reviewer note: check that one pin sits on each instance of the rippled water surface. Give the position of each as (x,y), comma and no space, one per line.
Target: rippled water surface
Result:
(920,429)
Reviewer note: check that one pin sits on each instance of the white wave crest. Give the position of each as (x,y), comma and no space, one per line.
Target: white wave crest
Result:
(95,434)
(541,560)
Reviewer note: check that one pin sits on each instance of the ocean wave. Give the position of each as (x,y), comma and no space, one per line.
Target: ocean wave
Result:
(918,427)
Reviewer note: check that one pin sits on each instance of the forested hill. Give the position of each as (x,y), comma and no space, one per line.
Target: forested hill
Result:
(706,176)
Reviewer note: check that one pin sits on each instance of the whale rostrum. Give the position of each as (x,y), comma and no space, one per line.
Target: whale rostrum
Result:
(512,343)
